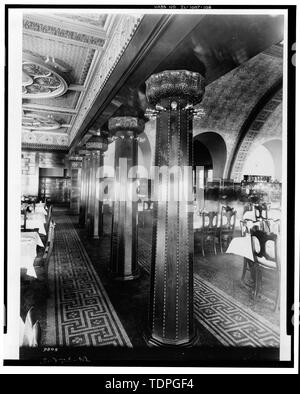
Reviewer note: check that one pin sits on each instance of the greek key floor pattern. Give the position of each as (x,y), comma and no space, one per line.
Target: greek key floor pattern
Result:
(224,317)
(84,313)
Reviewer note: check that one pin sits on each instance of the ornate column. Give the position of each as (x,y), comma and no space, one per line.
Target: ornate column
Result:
(88,194)
(123,260)
(173,95)
(97,145)
(83,189)
(75,169)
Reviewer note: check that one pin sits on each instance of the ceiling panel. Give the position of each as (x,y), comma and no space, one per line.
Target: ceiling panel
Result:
(77,58)
(68,100)
(89,19)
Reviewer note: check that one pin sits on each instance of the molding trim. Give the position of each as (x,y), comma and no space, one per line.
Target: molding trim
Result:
(116,46)
(62,33)
(43,147)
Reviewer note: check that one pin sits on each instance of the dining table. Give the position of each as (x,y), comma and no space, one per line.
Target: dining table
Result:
(29,243)
(36,220)
(40,208)
(242,246)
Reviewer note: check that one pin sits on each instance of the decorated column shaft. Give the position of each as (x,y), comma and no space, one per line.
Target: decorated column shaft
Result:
(89,169)
(83,189)
(123,260)
(75,170)
(173,94)
(97,145)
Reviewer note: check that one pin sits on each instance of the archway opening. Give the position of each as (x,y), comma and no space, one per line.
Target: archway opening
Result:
(216,146)
(259,162)
(209,162)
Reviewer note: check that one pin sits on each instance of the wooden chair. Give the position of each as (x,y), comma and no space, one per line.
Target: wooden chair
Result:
(32,330)
(246,225)
(227,226)
(208,231)
(264,249)
(271,226)
(248,208)
(261,211)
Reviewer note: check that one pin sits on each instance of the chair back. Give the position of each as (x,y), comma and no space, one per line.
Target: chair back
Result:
(247,224)
(210,220)
(228,218)
(271,226)
(264,248)
(248,207)
(261,211)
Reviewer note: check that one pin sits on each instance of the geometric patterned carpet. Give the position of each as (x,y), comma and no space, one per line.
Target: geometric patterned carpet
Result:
(81,312)
(225,318)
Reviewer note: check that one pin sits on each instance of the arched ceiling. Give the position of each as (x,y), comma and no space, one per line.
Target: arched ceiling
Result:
(228,101)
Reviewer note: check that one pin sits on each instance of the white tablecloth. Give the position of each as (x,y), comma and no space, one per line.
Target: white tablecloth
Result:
(21,331)
(28,254)
(241,246)
(40,209)
(36,216)
(197,221)
(34,236)
(36,223)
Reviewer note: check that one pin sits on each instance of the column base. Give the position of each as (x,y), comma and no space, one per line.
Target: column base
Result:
(123,278)
(171,344)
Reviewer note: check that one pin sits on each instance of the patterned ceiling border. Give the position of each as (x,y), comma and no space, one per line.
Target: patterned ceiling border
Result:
(58,32)
(117,44)
(35,137)
(39,147)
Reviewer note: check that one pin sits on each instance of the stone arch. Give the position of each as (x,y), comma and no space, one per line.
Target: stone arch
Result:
(251,129)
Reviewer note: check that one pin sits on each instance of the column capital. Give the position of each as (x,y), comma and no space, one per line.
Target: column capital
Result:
(75,161)
(175,84)
(97,143)
(127,126)
(83,152)
(75,158)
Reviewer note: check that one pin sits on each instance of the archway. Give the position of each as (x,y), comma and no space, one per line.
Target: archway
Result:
(265,159)
(215,145)
(275,148)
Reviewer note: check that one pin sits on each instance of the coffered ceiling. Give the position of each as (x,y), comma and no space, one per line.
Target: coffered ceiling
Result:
(66,59)
(79,69)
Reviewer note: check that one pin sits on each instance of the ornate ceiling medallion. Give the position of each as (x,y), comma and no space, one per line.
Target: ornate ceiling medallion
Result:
(41,79)
(38,122)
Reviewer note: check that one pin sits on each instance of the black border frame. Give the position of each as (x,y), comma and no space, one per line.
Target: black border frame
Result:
(230,357)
